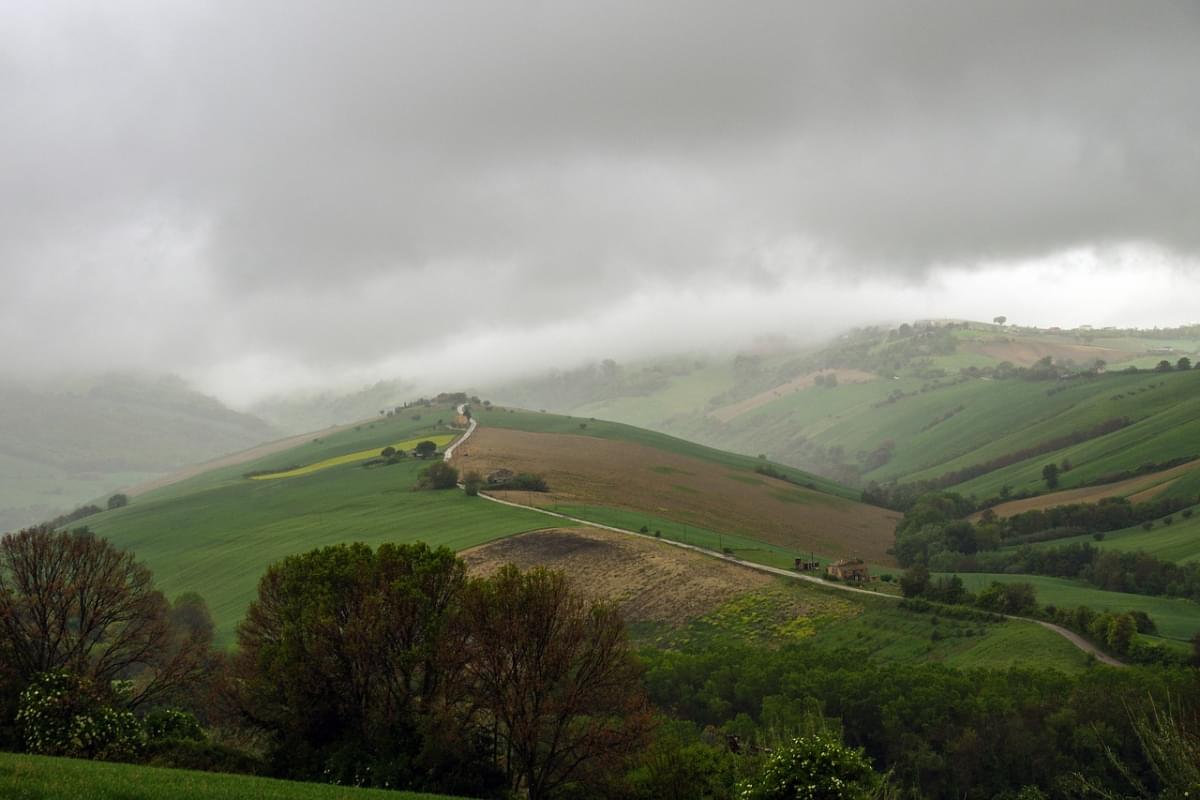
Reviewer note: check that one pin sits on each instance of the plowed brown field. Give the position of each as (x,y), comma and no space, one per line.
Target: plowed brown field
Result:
(585,470)
(650,581)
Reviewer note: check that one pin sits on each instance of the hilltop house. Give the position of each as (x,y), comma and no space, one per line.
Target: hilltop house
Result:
(849,569)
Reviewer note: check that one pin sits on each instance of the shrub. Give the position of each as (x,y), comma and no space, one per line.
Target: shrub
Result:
(61,714)
(202,756)
(388,451)
(472,482)
(811,767)
(169,723)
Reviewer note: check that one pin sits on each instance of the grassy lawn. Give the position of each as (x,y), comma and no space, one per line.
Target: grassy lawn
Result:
(24,777)
(1176,619)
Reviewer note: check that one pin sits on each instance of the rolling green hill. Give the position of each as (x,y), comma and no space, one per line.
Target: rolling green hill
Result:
(217,532)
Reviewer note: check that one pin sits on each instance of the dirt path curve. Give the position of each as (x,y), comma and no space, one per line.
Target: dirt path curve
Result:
(1070,636)
(471,426)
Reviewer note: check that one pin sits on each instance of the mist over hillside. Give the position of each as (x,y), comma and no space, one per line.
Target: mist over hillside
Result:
(74,441)
(826,408)
(301,412)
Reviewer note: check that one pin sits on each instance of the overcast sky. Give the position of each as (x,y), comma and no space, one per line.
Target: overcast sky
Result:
(265,195)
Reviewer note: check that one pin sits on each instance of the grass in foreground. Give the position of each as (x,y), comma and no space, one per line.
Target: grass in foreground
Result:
(24,777)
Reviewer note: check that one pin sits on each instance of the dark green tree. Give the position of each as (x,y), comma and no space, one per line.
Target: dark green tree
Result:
(118,500)
(438,475)
(425,448)
(1050,475)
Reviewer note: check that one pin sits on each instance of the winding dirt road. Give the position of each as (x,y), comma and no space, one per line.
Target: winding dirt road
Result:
(1070,636)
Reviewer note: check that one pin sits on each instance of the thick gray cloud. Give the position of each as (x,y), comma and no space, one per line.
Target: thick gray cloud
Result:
(194,184)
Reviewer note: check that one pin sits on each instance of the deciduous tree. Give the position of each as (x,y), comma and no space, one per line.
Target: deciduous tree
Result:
(76,603)
(556,675)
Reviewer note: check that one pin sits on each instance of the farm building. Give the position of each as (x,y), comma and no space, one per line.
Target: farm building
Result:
(500,476)
(849,569)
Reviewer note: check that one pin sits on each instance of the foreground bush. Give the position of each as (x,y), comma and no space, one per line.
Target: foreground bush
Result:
(816,766)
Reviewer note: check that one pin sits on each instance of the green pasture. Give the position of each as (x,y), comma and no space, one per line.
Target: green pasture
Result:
(216,535)
(1177,619)
(1178,542)
(24,777)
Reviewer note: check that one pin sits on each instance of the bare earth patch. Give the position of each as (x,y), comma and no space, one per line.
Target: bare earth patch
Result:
(1143,487)
(650,581)
(585,470)
(726,413)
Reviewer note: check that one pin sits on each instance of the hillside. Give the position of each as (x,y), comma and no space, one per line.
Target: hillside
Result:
(216,531)
(73,442)
(677,599)
(918,403)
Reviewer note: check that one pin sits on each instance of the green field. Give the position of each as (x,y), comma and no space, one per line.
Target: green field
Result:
(1178,542)
(217,533)
(878,628)
(439,439)
(1177,619)
(24,777)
